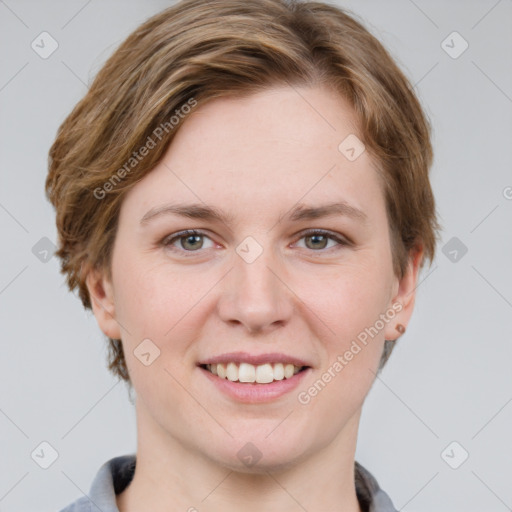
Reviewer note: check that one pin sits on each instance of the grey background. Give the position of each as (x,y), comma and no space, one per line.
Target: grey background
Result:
(449,378)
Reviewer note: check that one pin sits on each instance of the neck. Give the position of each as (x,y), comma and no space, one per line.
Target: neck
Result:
(170,476)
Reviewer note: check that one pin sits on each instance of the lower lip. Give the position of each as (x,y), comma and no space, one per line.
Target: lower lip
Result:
(253,392)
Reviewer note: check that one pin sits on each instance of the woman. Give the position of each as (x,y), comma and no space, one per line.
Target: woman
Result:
(243,201)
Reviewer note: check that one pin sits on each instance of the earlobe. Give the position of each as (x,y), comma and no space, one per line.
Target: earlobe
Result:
(405,297)
(101,293)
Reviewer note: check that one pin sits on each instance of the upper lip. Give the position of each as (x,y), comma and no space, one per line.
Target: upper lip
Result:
(254,359)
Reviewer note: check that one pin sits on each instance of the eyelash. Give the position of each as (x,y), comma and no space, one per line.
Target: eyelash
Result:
(168,240)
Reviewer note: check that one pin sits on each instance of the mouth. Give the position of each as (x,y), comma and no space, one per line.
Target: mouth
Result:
(255,378)
(248,373)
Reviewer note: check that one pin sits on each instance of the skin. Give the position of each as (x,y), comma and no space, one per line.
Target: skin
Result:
(254,158)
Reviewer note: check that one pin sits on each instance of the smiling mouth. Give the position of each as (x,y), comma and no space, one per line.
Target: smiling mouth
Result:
(258,374)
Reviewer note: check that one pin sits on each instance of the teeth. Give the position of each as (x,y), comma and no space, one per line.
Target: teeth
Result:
(246,373)
(278,371)
(288,371)
(232,371)
(221,370)
(262,374)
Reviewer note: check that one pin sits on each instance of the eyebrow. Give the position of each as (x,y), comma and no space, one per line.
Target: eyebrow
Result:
(297,213)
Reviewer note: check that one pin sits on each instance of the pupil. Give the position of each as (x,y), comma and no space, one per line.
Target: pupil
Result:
(194,238)
(315,239)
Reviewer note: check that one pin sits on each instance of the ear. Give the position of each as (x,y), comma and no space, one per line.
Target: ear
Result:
(101,293)
(404,296)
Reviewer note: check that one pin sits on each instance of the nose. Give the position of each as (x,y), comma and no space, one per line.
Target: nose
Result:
(255,295)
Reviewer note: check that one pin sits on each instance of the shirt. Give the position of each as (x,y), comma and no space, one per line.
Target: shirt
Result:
(115,475)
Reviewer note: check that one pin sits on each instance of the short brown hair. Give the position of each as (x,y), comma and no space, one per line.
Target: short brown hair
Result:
(204,50)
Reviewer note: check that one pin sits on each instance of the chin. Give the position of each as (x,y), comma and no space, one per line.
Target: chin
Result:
(261,455)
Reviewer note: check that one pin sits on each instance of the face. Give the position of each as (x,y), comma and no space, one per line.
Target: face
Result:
(274,280)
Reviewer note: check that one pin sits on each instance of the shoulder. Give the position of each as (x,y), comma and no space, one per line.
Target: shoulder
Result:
(82,504)
(371,497)
(112,477)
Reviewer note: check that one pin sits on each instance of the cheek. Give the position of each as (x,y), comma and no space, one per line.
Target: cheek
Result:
(148,291)
(351,332)
(350,298)
(153,305)
(352,344)
(163,305)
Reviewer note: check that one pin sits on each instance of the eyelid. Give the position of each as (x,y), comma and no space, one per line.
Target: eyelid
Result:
(342,240)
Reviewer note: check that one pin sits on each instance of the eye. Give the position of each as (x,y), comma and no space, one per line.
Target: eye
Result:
(192,240)
(317,239)
(189,240)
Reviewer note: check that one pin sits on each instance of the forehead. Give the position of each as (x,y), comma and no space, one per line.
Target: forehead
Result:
(262,154)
